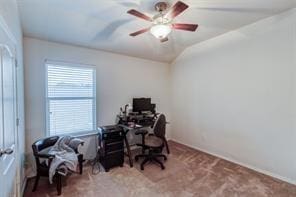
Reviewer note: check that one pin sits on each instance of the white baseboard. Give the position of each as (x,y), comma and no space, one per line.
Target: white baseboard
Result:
(285,179)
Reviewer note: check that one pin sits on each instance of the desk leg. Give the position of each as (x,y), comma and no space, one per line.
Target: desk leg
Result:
(129,154)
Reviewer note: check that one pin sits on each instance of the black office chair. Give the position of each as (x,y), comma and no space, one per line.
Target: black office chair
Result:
(43,167)
(152,144)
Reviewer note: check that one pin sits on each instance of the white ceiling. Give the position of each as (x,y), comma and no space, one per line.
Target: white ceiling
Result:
(105,25)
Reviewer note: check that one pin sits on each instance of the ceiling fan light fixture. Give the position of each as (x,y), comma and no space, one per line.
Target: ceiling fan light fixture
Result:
(161,31)
(162,23)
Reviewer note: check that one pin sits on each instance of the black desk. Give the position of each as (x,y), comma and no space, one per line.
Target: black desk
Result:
(144,119)
(135,122)
(127,128)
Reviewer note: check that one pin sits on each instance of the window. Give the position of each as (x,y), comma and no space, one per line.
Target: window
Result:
(71,98)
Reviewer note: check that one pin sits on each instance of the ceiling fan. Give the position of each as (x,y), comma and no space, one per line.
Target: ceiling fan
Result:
(162,23)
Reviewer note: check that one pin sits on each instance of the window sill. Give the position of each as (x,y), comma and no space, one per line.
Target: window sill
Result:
(79,135)
(83,135)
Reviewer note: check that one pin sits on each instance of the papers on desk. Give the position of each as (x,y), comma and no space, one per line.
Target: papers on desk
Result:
(138,126)
(132,125)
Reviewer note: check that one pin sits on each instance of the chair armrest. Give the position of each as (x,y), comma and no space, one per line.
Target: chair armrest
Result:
(80,144)
(141,132)
(75,145)
(45,156)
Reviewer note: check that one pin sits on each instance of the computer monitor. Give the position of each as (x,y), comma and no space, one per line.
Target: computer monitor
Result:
(142,104)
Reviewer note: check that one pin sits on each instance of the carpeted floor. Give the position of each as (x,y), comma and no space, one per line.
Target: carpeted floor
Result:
(188,173)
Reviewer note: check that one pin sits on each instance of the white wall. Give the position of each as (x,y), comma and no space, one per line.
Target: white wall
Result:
(119,79)
(234,96)
(9,12)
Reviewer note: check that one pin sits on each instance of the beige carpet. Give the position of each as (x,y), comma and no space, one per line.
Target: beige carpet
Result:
(188,173)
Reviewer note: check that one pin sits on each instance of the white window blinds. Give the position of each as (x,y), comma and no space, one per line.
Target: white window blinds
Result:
(71,98)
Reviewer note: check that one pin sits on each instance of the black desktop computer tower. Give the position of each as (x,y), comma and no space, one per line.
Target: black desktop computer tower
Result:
(111,146)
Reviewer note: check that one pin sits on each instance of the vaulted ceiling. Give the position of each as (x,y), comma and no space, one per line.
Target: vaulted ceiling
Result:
(105,25)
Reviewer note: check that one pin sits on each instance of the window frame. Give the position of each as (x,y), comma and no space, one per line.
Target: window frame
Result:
(47,99)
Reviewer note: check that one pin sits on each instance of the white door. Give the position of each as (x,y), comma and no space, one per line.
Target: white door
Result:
(7,122)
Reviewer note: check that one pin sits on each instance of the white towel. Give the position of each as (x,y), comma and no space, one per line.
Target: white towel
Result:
(65,156)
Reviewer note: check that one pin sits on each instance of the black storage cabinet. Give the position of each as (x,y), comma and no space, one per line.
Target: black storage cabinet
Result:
(111,146)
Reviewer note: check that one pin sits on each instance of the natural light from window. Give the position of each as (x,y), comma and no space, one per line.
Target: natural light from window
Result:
(71,98)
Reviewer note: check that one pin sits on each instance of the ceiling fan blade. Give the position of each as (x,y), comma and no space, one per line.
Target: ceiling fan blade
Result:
(139,32)
(177,9)
(139,14)
(164,39)
(186,27)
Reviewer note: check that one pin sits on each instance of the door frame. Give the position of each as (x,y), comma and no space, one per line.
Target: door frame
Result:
(11,46)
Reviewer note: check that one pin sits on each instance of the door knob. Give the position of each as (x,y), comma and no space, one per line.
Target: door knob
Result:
(7,151)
